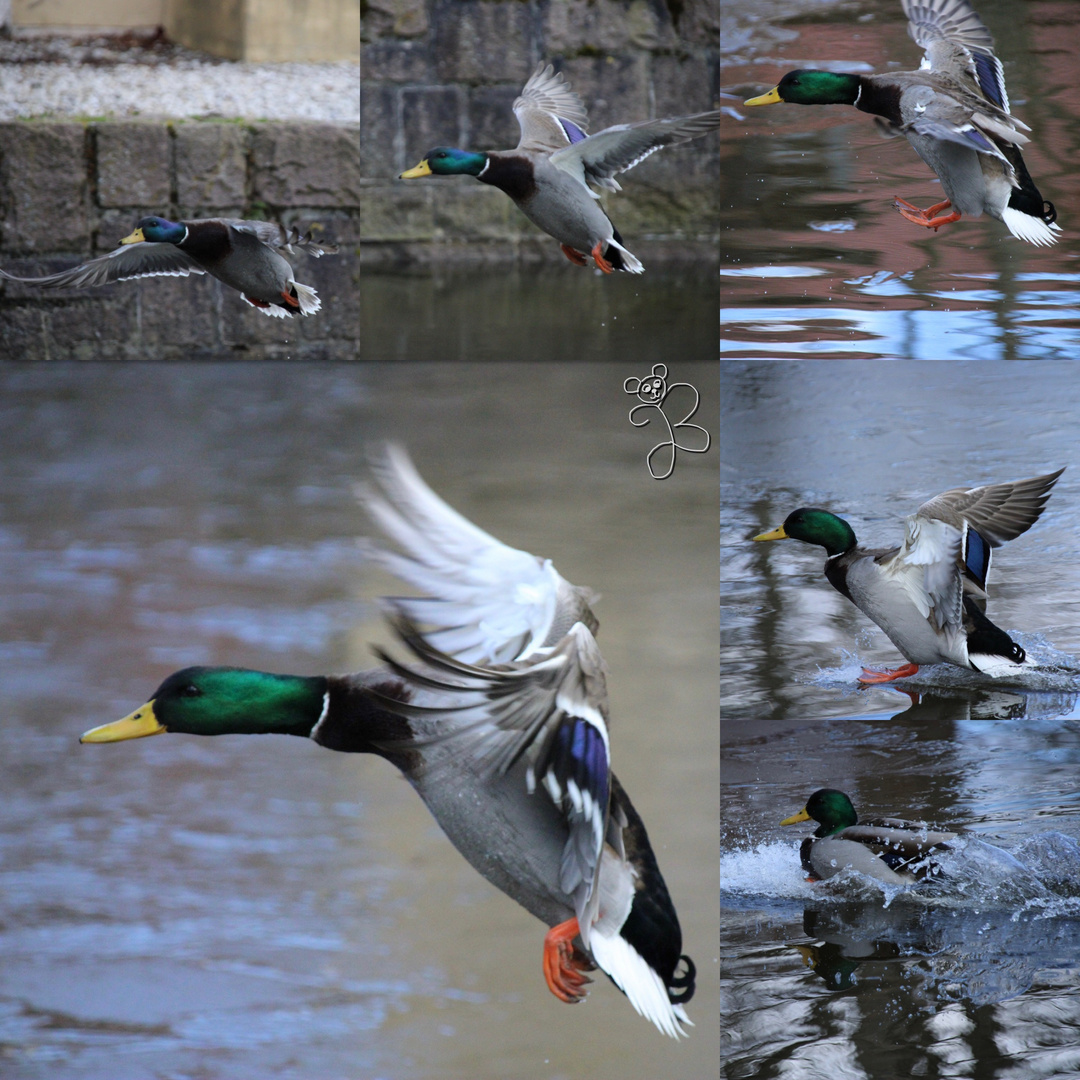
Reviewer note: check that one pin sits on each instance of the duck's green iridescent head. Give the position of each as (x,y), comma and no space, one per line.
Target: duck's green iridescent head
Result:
(814,526)
(831,809)
(446,161)
(156,230)
(224,701)
(812,88)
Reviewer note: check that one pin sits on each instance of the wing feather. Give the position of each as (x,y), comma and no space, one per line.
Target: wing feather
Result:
(550,711)
(487,602)
(122,264)
(598,158)
(551,115)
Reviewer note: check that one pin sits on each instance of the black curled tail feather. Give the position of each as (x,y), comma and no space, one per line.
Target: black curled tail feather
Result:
(1049,212)
(984,637)
(680,988)
(651,928)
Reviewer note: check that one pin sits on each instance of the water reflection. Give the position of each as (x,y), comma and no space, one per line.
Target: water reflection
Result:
(984,978)
(817,262)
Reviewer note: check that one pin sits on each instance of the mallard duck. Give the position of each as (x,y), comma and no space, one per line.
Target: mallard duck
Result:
(929,595)
(548,173)
(500,723)
(888,850)
(242,254)
(954,111)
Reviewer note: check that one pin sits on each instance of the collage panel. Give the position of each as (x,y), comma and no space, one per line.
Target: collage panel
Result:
(359,383)
(900,830)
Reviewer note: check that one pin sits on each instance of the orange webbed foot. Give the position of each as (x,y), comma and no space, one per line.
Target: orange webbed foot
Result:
(565,964)
(291,299)
(871,677)
(255,303)
(573,255)
(929,218)
(598,258)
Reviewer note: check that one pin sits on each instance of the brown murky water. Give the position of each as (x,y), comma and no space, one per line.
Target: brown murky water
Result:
(255,906)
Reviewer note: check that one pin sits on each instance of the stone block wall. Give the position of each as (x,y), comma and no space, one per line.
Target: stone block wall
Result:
(71,190)
(75,188)
(446,72)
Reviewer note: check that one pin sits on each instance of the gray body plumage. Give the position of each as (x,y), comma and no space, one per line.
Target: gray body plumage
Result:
(916,592)
(861,847)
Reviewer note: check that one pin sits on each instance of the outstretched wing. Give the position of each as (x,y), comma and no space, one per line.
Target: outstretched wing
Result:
(1001,512)
(277,236)
(948,543)
(550,711)
(487,602)
(550,114)
(128,261)
(955,39)
(598,158)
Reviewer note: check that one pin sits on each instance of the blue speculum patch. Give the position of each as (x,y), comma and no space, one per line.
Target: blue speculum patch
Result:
(573,132)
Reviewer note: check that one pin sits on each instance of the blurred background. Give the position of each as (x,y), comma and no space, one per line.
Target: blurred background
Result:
(258,906)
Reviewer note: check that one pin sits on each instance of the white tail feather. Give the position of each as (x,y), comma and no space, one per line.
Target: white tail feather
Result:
(272,310)
(997,667)
(642,986)
(308,297)
(1032,229)
(630,262)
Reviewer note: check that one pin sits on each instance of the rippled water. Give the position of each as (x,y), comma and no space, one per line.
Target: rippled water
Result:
(816,262)
(979,977)
(871,364)
(255,906)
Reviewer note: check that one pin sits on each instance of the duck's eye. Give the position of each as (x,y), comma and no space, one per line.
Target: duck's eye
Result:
(191,690)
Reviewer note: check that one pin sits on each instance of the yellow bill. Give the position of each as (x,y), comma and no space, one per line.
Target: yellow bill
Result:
(135,238)
(771,98)
(776,534)
(423,169)
(802,815)
(137,725)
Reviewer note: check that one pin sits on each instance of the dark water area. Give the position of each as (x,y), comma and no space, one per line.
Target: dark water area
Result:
(470,312)
(255,906)
(542,314)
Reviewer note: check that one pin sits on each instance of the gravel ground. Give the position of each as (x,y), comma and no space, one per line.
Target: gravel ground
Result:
(131,75)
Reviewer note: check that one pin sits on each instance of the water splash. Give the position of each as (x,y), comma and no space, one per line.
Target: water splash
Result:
(1042,875)
(1051,671)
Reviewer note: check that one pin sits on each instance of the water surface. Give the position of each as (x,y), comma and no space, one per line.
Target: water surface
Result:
(980,977)
(255,906)
(816,262)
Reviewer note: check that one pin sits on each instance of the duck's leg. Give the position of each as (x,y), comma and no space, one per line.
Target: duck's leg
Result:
(291,299)
(598,258)
(928,217)
(870,676)
(564,964)
(573,255)
(255,303)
